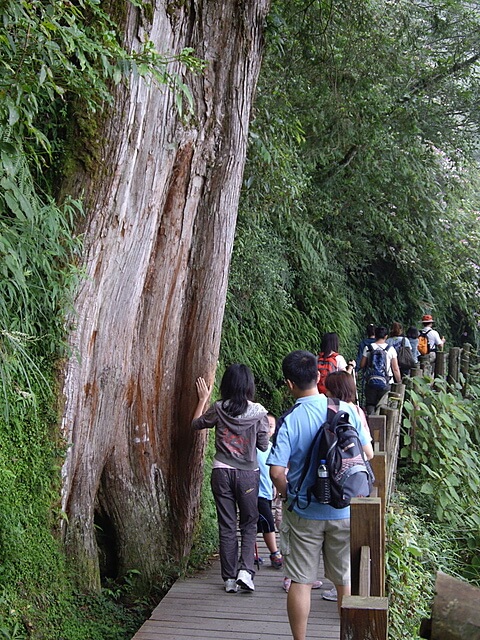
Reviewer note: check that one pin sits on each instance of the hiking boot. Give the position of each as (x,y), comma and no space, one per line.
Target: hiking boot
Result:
(331,594)
(245,580)
(231,585)
(276,560)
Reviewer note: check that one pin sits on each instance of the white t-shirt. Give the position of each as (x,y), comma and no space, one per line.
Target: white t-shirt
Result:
(433,338)
(390,352)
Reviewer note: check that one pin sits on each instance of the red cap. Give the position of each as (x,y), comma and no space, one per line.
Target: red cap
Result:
(427,318)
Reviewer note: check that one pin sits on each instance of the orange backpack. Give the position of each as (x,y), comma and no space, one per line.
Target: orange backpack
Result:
(326,366)
(423,344)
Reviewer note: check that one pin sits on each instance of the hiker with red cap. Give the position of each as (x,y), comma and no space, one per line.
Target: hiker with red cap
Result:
(429,340)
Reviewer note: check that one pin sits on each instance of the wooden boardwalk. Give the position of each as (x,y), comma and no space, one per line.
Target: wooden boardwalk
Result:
(197,607)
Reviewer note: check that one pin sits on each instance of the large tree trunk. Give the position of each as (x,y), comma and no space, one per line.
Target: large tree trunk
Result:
(161,211)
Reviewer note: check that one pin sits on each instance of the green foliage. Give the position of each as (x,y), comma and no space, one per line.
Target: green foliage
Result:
(35,246)
(410,563)
(361,180)
(433,520)
(416,550)
(36,598)
(442,465)
(59,50)
(443,455)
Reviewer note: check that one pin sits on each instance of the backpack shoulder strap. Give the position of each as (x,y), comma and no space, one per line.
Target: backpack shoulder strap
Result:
(333,405)
(306,465)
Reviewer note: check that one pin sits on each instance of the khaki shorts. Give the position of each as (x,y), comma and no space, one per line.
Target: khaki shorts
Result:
(302,543)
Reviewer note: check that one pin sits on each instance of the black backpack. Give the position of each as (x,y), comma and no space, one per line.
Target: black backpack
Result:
(350,474)
(404,357)
(376,372)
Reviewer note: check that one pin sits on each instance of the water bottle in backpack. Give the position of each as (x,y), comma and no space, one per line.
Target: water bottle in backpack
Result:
(322,490)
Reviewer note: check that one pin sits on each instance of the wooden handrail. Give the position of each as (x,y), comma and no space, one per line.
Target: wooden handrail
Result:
(364,614)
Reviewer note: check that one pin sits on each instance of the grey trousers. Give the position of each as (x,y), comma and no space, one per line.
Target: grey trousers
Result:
(236,489)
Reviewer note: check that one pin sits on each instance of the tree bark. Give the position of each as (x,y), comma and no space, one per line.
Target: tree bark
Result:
(161,212)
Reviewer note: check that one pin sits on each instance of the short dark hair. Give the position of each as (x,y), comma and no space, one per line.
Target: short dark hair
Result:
(413,332)
(381,332)
(329,343)
(341,385)
(237,388)
(300,367)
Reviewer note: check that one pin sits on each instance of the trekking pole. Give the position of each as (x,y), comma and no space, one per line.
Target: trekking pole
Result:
(356,390)
(257,557)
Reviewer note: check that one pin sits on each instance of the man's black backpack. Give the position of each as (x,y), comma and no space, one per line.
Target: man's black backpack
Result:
(350,474)
(404,357)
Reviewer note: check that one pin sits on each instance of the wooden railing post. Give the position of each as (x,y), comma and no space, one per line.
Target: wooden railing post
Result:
(367,529)
(425,365)
(440,364)
(392,445)
(378,428)
(364,618)
(453,364)
(465,364)
(379,468)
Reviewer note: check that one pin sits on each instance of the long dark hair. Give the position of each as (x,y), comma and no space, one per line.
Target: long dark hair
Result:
(236,389)
(413,333)
(329,343)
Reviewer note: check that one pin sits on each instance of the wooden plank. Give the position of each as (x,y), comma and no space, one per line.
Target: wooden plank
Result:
(398,389)
(440,359)
(198,608)
(378,427)
(379,468)
(364,578)
(392,445)
(364,618)
(367,529)
(453,364)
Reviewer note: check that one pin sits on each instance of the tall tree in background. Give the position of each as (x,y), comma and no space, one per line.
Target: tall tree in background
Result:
(360,201)
(161,200)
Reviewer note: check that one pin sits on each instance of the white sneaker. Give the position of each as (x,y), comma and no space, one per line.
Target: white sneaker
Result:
(245,581)
(231,585)
(331,594)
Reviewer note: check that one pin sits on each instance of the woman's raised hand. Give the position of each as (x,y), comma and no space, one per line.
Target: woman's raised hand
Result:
(203,390)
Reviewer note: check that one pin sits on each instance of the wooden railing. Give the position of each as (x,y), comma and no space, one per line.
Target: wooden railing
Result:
(364,614)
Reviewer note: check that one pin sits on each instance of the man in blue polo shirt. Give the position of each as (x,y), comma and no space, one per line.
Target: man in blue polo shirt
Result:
(317,529)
